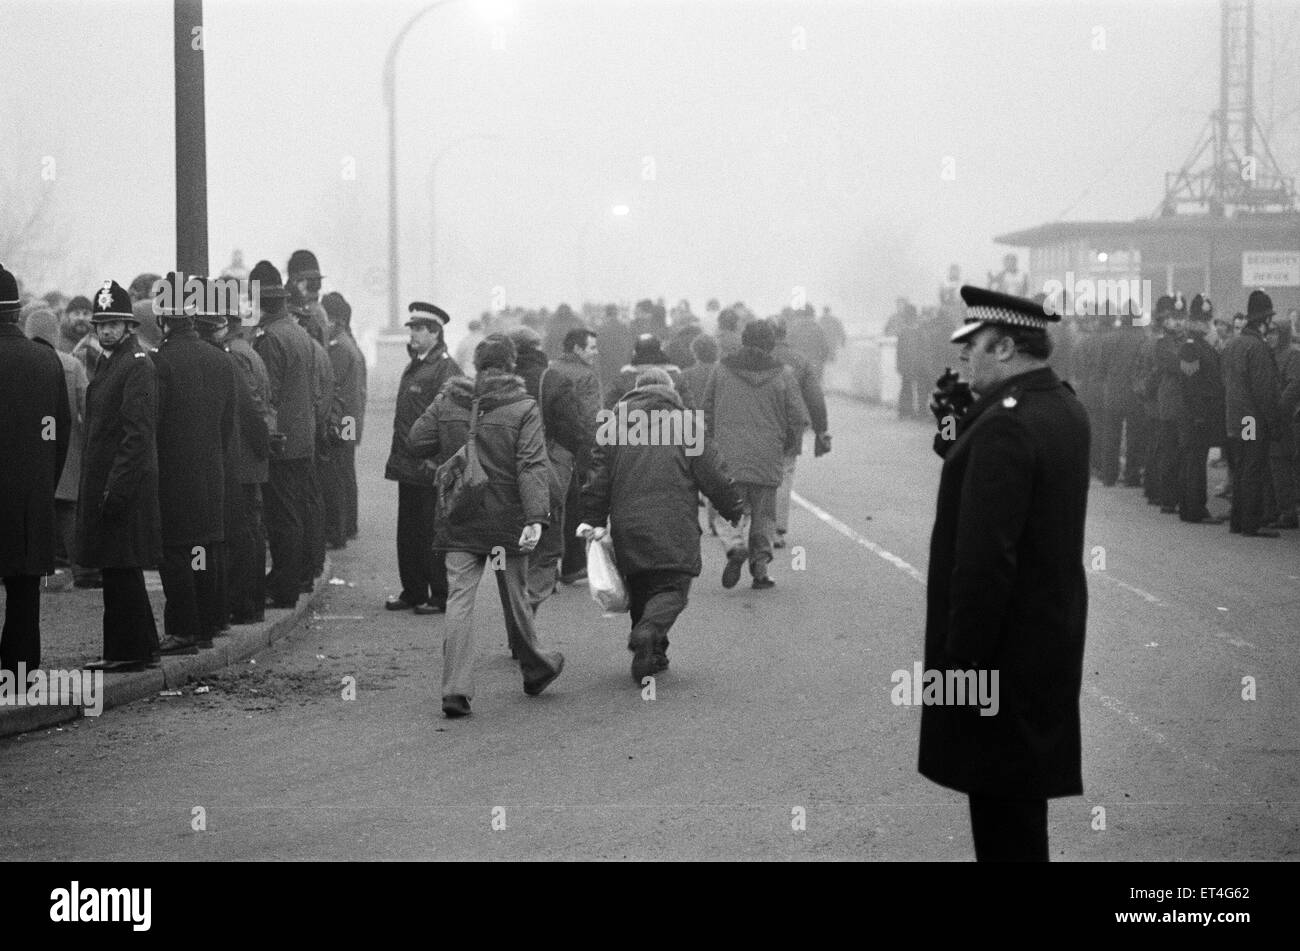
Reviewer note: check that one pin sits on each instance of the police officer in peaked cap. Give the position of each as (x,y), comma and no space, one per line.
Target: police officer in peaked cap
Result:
(1006,595)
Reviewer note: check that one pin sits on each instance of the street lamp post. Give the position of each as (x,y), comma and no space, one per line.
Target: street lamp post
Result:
(390,103)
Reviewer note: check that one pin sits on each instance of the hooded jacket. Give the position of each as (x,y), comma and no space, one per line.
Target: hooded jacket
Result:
(753,410)
(511,448)
(626,381)
(649,494)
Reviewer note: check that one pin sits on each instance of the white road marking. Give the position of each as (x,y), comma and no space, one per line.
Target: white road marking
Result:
(1110,703)
(862,540)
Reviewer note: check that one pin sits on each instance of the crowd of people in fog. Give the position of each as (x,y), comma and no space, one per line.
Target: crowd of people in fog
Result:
(1169,394)
(173,425)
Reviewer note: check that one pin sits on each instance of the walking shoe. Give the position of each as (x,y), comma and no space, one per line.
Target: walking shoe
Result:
(397,603)
(1169,510)
(455,706)
(533,688)
(731,573)
(248,619)
(170,646)
(281,605)
(1288,521)
(643,658)
(206,645)
(431,608)
(763,582)
(1262,533)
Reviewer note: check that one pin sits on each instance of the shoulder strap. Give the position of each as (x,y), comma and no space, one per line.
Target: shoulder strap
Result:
(541,384)
(473,418)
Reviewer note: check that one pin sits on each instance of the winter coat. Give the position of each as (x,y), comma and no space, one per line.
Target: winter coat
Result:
(695,379)
(1288,373)
(196,428)
(753,410)
(422,380)
(1120,380)
(807,339)
(562,420)
(810,391)
(1168,380)
(1202,391)
(511,449)
(1007,592)
(120,460)
(35,430)
(286,350)
(324,397)
(586,388)
(254,392)
(678,349)
(649,494)
(1251,390)
(349,382)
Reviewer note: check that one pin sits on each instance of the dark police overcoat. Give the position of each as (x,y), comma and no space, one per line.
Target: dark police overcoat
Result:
(120,458)
(35,425)
(422,380)
(196,428)
(1006,591)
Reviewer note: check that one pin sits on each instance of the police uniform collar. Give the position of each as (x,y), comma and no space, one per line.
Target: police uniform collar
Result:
(1044,378)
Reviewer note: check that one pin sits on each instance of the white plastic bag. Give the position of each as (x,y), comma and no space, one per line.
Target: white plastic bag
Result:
(607,587)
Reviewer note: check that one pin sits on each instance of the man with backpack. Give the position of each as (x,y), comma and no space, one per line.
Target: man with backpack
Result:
(485,435)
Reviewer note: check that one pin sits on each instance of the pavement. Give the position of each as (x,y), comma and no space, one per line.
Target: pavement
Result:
(772,736)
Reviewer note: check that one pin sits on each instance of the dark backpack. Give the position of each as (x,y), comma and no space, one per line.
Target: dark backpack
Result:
(461,481)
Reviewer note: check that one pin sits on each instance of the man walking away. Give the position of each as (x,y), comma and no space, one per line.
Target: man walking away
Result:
(35,427)
(578,363)
(648,494)
(350,384)
(504,528)
(814,400)
(753,411)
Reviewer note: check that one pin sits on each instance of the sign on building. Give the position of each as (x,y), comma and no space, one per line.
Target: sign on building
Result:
(1270,269)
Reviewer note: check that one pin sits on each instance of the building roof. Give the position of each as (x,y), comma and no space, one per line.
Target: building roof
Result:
(1146,228)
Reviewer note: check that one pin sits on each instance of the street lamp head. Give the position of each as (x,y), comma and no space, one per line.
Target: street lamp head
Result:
(619,211)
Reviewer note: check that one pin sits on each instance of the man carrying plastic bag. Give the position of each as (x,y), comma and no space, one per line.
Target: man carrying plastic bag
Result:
(648,493)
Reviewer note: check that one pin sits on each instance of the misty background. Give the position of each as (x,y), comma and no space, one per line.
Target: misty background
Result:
(758,147)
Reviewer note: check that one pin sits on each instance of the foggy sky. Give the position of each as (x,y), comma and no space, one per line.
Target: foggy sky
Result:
(774,167)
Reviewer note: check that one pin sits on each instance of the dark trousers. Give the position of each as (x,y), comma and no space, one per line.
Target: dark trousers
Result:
(655,599)
(130,632)
(349,469)
(1151,472)
(314,523)
(191,611)
(245,562)
(20,640)
(334,475)
(575,549)
(1249,461)
(1009,830)
(1193,450)
(286,497)
(65,520)
(1122,432)
(422,570)
(911,398)
(1167,469)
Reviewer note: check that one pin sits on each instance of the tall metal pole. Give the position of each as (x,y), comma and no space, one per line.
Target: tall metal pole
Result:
(191,138)
(390,103)
(433,201)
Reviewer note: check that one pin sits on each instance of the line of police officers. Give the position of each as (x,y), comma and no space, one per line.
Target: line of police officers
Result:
(184,449)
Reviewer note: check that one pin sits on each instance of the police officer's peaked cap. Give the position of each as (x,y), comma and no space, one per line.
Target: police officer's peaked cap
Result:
(303,264)
(1201,308)
(112,302)
(423,312)
(9,300)
(265,277)
(1259,307)
(1167,305)
(985,308)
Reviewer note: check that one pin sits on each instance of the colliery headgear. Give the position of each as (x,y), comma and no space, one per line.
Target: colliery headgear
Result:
(425,313)
(112,302)
(985,308)
(1259,307)
(9,300)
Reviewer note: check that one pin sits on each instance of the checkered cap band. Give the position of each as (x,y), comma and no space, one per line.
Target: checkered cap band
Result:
(1001,315)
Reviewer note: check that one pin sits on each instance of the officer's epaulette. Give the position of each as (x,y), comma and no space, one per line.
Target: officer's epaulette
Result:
(1012,399)
(1069,386)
